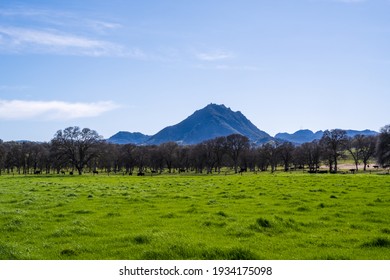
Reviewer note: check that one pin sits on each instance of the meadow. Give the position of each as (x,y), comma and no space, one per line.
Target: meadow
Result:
(254,216)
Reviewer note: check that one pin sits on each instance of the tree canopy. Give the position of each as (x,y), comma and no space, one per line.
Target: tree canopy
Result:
(77,146)
(383,146)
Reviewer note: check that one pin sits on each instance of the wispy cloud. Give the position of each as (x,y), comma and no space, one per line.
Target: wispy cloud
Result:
(57,18)
(214,55)
(14,39)
(52,110)
(28,30)
(23,12)
(102,26)
(225,67)
(13,88)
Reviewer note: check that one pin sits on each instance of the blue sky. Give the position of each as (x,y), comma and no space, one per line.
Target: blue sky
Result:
(125,65)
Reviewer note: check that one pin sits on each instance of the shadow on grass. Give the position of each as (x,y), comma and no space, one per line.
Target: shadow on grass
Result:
(180,252)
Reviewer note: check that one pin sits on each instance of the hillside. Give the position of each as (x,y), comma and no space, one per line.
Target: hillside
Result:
(124,137)
(207,123)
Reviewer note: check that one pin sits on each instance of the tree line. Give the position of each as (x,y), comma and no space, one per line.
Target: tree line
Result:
(84,150)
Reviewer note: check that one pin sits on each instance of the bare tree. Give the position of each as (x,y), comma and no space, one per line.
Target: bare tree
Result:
(220,151)
(334,142)
(198,157)
(262,160)
(361,148)
(271,153)
(141,157)
(127,157)
(248,158)
(308,154)
(352,146)
(367,149)
(109,158)
(314,154)
(77,146)
(383,146)
(169,153)
(2,155)
(14,157)
(184,157)
(36,153)
(156,160)
(209,149)
(236,144)
(286,151)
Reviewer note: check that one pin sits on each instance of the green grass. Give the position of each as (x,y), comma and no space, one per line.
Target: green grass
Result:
(264,216)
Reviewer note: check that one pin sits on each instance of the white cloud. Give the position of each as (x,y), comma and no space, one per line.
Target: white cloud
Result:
(42,31)
(214,55)
(102,26)
(31,40)
(13,88)
(52,110)
(58,18)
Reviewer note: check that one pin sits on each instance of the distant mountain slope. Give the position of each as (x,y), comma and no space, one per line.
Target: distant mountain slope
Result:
(305,135)
(300,136)
(124,137)
(366,132)
(207,123)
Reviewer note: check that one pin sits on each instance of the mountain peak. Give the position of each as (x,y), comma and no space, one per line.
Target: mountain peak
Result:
(215,109)
(207,123)
(214,105)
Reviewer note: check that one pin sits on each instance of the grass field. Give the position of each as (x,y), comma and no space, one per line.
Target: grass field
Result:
(263,216)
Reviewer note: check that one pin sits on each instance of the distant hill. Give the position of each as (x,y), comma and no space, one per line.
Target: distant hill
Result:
(366,132)
(300,136)
(305,135)
(208,123)
(124,137)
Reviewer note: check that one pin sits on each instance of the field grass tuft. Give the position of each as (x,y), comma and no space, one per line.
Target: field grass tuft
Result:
(378,242)
(263,223)
(7,252)
(141,239)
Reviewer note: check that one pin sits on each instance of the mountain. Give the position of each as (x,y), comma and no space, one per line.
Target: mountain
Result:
(217,120)
(124,137)
(208,123)
(366,132)
(305,135)
(300,136)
